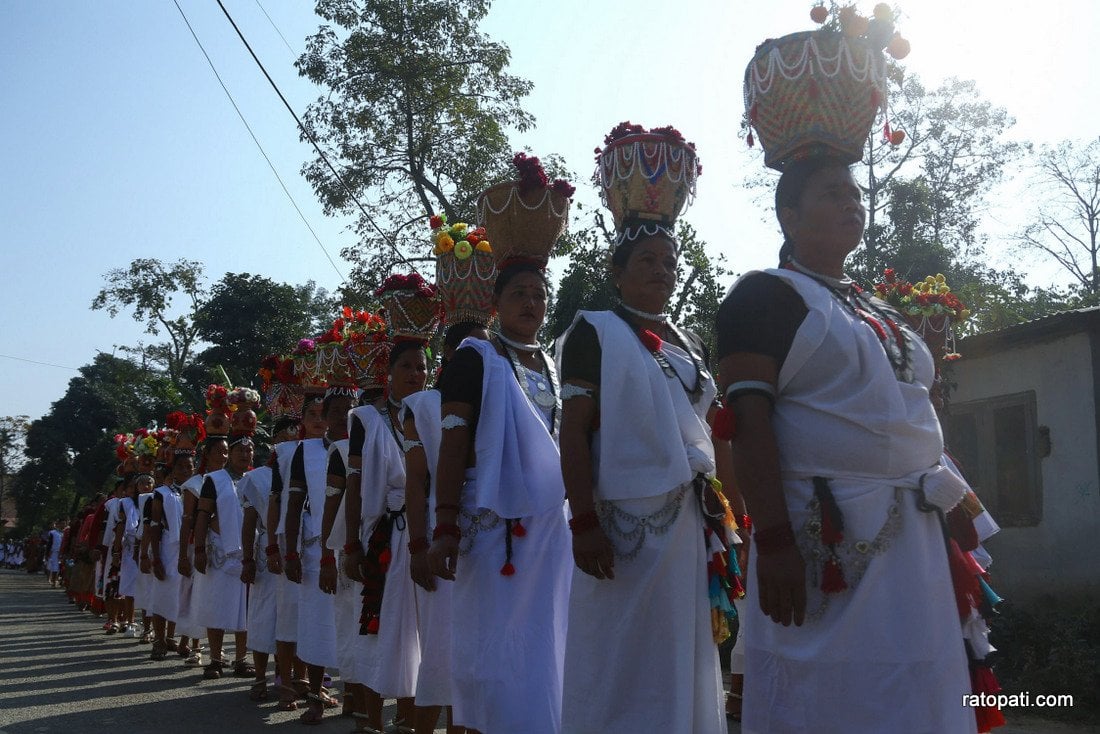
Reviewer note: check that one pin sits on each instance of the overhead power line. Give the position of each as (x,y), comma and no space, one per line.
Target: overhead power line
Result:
(269,20)
(34,361)
(258,144)
(313,141)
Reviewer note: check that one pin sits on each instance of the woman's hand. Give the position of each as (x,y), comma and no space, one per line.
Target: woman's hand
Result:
(158,570)
(352,564)
(184,564)
(781,585)
(443,557)
(146,565)
(200,559)
(248,571)
(421,571)
(294,570)
(593,554)
(275,563)
(327,579)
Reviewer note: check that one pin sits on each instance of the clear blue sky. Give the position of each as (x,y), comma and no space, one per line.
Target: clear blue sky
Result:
(116,141)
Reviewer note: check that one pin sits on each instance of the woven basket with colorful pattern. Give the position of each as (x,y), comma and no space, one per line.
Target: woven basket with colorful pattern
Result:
(814,93)
(466,287)
(522,225)
(648,177)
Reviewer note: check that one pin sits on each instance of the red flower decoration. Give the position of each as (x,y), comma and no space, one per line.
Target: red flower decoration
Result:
(724,427)
(436,221)
(651,341)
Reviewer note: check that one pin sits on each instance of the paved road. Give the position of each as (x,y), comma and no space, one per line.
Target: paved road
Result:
(60,673)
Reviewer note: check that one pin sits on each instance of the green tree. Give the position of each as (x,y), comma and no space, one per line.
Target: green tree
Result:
(416,109)
(147,288)
(587,285)
(70,450)
(246,317)
(13,432)
(1067,221)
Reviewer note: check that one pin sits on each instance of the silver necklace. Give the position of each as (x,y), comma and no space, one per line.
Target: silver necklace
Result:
(656,317)
(543,394)
(536,347)
(840,284)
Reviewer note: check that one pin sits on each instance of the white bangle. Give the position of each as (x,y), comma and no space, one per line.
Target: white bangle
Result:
(331,491)
(569,391)
(453,421)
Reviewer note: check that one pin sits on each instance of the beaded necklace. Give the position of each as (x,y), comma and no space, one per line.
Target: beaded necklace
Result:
(894,341)
(547,394)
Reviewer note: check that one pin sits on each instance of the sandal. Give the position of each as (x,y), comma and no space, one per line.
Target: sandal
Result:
(301,688)
(174,645)
(288,698)
(111,629)
(160,652)
(213,671)
(330,701)
(243,669)
(360,727)
(258,691)
(147,637)
(315,711)
(398,725)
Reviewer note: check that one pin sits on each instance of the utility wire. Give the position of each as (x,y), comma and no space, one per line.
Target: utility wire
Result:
(258,145)
(44,364)
(269,20)
(313,141)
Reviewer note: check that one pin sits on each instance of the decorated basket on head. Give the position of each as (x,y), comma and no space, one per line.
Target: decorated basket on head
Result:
(465,270)
(190,430)
(243,404)
(368,347)
(217,410)
(524,218)
(282,394)
(411,307)
(646,177)
(929,307)
(819,92)
(144,447)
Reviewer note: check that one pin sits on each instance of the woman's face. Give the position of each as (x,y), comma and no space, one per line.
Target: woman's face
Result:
(830,215)
(314,424)
(647,280)
(144,484)
(521,306)
(240,457)
(409,373)
(217,453)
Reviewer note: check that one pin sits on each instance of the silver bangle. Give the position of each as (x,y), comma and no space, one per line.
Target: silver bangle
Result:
(297,490)
(453,421)
(747,386)
(408,445)
(331,491)
(569,391)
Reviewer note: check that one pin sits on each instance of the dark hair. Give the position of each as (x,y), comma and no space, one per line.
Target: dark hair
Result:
(401,346)
(515,268)
(633,232)
(792,185)
(283,423)
(455,333)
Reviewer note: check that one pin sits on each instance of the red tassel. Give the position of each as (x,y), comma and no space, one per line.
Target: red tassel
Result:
(830,535)
(518,530)
(749,139)
(737,589)
(384,559)
(724,427)
(962,529)
(832,580)
(968,593)
(372,626)
(982,680)
(507,570)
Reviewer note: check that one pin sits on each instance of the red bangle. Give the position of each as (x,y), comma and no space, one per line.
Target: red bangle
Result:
(354,546)
(418,545)
(272,550)
(444,506)
(582,523)
(744,522)
(292,556)
(443,529)
(774,539)
(328,561)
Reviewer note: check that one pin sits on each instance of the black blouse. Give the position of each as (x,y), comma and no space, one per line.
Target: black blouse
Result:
(761,316)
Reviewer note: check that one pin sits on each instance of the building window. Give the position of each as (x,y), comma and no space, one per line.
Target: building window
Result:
(996,441)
